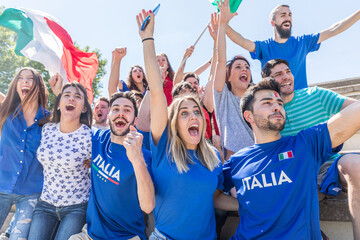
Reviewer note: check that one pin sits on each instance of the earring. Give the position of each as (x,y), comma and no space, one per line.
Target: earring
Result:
(83,111)
(58,108)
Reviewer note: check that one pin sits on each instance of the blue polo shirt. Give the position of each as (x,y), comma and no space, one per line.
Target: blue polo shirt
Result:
(20,170)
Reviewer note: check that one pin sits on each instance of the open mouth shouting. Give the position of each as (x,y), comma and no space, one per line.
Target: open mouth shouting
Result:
(25,90)
(286,24)
(243,77)
(120,122)
(69,107)
(194,130)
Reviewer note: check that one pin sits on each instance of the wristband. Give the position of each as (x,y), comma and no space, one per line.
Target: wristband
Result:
(145,39)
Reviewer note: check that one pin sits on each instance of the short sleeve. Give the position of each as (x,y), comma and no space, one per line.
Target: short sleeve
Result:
(158,151)
(259,48)
(125,88)
(332,101)
(228,184)
(318,142)
(311,42)
(219,171)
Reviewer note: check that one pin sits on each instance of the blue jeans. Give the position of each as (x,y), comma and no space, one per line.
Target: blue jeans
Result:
(58,223)
(157,235)
(25,205)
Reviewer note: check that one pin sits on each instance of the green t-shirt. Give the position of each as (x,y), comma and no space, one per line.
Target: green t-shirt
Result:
(310,106)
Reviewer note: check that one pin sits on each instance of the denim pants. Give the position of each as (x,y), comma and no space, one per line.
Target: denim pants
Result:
(58,223)
(25,205)
(156,235)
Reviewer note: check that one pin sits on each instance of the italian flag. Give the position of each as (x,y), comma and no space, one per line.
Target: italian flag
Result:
(234,4)
(286,155)
(42,38)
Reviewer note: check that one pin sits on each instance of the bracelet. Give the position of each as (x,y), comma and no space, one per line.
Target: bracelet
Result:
(145,39)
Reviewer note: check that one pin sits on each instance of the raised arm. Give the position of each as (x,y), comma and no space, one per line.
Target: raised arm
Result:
(180,72)
(117,56)
(339,27)
(158,104)
(145,186)
(220,72)
(144,114)
(208,98)
(202,68)
(56,83)
(345,124)
(240,40)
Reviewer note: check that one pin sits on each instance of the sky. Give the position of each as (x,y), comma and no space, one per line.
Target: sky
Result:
(108,24)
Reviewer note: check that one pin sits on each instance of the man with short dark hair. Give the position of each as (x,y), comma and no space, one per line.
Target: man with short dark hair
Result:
(121,186)
(283,45)
(101,111)
(275,178)
(306,108)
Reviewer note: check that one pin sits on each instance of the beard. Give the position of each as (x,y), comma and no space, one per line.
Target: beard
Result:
(127,130)
(282,32)
(266,124)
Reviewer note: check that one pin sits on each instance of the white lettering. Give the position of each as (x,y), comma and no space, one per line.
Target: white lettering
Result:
(97,158)
(273,178)
(264,181)
(101,165)
(255,183)
(284,178)
(247,182)
(116,175)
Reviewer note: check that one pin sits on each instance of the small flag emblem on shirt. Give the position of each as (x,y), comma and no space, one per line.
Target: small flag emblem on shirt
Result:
(286,155)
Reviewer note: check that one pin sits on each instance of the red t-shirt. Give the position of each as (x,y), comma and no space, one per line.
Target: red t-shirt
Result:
(168,85)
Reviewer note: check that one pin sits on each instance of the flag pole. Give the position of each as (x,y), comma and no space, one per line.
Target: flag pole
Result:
(197,40)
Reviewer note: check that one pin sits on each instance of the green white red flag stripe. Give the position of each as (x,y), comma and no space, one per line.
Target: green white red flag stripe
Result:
(42,38)
(286,155)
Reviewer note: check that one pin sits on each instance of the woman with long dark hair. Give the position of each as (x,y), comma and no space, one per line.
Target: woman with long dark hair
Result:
(21,175)
(65,145)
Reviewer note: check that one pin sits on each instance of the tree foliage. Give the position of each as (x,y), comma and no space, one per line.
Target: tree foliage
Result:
(10,63)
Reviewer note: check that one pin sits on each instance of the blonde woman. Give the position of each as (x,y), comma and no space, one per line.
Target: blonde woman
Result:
(186,170)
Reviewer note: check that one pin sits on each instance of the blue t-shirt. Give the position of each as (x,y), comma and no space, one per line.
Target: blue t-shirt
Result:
(294,50)
(184,201)
(20,170)
(113,210)
(276,186)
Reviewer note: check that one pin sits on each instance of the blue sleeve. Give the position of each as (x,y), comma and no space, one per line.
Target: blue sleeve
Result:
(228,184)
(146,139)
(148,161)
(125,88)
(310,42)
(260,50)
(219,172)
(318,142)
(159,151)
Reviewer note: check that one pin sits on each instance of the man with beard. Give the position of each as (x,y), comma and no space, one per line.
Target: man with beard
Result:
(275,178)
(306,108)
(284,46)
(101,111)
(121,186)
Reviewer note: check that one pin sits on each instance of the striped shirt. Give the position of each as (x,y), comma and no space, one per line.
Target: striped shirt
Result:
(310,106)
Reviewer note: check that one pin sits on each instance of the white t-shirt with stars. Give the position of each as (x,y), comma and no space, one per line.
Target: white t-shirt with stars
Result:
(66,179)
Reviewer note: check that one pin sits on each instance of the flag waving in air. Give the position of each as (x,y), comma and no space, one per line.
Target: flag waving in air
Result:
(42,38)
(233,4)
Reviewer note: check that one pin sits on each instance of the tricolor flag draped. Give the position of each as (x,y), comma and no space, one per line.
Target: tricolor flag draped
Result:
(42,38)
(234,4)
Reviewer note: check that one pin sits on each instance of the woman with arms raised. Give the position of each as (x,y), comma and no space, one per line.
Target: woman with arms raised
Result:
(186,170)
